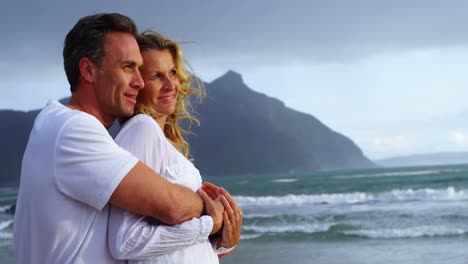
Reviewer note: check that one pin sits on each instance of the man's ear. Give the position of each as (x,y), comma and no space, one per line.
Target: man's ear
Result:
(88,70)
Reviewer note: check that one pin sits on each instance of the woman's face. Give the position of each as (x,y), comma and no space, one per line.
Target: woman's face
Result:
(161,83)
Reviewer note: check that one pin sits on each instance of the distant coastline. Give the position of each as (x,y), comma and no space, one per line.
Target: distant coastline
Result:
(439,158)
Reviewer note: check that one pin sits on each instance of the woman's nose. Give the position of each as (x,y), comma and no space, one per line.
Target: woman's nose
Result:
(170,83)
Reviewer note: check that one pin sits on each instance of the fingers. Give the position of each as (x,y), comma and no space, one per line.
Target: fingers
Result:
(232,203)
(232,220)
(226,221)
(230,211)
(212,190)
(241,216)
(230,234)
(232,216)
(228,197)
(211,186)
(206,199)
(227,232)
(213,208)
(209,202)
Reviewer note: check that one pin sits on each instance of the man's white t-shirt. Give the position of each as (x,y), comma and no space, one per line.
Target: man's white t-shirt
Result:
(70,168)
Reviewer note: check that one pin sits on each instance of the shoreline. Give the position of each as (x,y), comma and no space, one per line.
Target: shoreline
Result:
(365,251)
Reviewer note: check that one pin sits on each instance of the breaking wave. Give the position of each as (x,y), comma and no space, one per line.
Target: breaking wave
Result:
(448,194)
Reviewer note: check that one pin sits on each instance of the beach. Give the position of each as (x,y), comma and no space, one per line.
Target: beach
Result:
(428,251)
(387,215)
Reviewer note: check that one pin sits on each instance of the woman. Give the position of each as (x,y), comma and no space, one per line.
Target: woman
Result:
(153,135)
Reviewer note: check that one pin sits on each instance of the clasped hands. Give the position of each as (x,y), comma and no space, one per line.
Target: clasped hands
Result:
(227,216)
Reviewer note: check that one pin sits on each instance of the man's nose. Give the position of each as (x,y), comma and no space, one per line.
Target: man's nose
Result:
(137,81)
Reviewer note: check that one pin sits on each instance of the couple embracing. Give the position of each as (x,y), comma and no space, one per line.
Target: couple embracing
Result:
(85,198)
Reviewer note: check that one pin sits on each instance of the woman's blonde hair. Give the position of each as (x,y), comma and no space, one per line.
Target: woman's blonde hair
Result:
(149,40)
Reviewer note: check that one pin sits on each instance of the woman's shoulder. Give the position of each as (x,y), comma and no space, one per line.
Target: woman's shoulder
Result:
(141,124)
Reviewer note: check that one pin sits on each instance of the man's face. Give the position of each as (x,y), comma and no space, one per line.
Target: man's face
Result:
(118,78)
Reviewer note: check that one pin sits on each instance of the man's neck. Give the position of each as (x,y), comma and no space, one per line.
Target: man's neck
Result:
(88,104)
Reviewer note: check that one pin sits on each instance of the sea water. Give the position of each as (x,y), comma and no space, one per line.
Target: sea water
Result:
(7,200)
(398,215)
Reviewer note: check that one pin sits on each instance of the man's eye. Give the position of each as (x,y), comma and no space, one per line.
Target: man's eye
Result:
(156,76)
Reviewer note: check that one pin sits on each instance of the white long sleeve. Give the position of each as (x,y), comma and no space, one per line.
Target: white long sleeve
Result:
(136,237)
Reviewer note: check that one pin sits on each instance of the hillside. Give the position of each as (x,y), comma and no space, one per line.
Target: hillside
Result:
(241,132)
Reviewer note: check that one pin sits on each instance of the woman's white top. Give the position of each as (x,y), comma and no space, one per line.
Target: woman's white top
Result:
(144,240)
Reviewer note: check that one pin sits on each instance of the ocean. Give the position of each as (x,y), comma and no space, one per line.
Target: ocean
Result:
(392,215)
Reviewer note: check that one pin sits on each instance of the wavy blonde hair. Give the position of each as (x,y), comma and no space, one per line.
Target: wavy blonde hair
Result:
(150,40)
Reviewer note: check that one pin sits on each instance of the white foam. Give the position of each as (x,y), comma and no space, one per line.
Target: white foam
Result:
(302,228)
(5,224)
(4,208)
(256,216)
(449,194)
(251,236)
(4,235)
(285,180)
(294,199)
(399,173)
(412,232)
(392,174)
(382,233)
(423,195)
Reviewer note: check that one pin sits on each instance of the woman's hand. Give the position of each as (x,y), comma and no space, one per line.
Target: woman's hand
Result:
(232,223)
(213,208)
(212,190)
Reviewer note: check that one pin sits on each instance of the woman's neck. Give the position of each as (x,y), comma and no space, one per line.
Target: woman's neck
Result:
(161,121)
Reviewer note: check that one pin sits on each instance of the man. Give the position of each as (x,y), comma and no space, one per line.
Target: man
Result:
(72,169)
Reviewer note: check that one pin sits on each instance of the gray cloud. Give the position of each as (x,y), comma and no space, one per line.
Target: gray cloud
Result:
(249,33)
(257,30)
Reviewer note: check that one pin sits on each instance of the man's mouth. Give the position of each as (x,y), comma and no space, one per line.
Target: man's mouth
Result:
(131,97)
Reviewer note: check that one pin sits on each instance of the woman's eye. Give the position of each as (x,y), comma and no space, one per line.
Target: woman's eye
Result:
(173,73)
(156,76)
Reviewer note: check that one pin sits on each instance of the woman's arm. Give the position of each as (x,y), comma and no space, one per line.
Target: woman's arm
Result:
(132,236)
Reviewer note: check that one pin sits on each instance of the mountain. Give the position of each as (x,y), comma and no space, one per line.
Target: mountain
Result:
(241,132)
(14,135)
(441,158)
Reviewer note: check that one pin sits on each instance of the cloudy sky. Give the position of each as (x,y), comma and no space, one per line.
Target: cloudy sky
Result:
(391,75)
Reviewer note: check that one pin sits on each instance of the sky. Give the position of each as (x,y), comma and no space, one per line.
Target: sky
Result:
(390,75)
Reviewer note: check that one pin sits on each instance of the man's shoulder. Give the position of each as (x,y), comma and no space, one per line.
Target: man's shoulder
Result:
(56,117)
(56,113)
